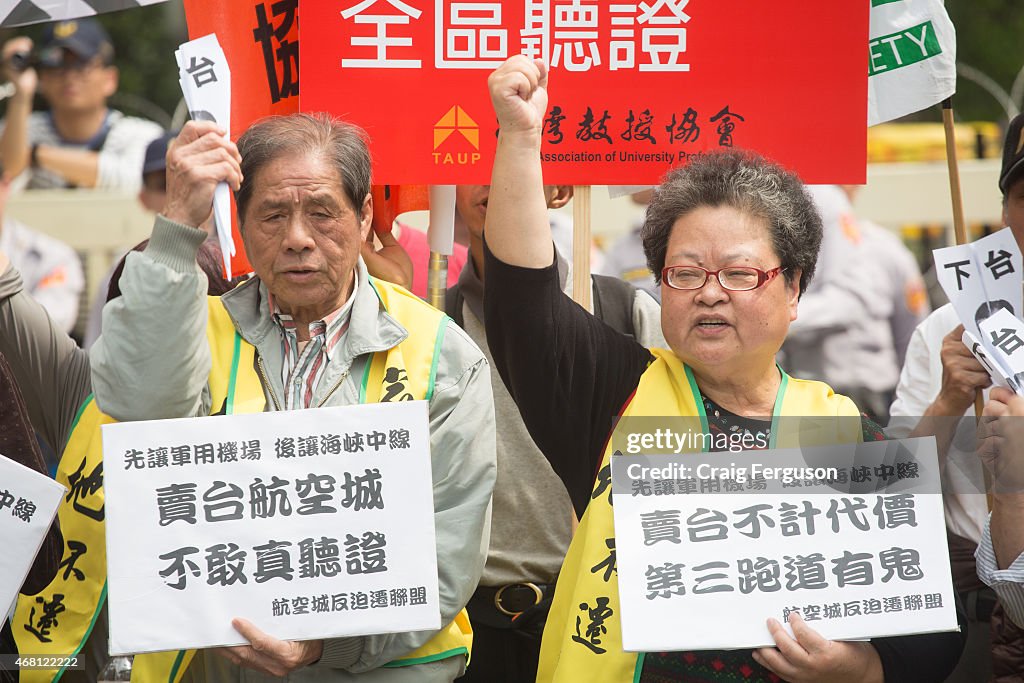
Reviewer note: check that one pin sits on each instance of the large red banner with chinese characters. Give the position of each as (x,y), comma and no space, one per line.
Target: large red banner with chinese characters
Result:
(636,86)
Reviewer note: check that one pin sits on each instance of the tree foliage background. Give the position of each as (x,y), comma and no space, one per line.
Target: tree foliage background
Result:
(990,39)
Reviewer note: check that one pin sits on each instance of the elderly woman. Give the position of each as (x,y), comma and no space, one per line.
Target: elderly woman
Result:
(734,240)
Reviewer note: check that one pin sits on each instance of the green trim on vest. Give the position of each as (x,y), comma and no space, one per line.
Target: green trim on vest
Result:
(692,381)
(177,661)
(398,663)
(229,404)
(78,415)
(773,436)
(639,667)
(437,355)
(366,380)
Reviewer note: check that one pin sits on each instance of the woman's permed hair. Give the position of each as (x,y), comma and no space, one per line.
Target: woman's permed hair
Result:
(743,181)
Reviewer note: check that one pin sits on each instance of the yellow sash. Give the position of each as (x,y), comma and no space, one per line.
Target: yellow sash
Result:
(64,613)
(57,620)
(667,388)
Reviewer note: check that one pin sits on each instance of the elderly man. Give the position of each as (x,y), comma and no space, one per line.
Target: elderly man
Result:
(318,326)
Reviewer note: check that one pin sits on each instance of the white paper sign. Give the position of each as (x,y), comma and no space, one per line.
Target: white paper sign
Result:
(981,278)
(308,523)
(865,558)
(205,81)
(28,503)
(1005,335)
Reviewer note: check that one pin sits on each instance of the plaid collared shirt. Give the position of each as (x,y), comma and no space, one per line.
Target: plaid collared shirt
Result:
(305,362)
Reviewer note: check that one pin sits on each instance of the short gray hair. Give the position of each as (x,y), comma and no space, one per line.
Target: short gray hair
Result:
(743,181)
(342,144)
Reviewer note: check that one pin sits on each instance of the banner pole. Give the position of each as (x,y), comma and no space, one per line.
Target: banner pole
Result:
(960,230)
(437,280)
(959,226)
(441,238)
(581,245)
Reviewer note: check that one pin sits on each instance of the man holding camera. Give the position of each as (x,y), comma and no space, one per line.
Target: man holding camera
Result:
(78,142)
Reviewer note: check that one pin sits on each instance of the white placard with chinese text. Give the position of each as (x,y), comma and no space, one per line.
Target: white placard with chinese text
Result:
(1005,334)
(864,558)
(205,80)
(980,278)
(28,503)
(308,523)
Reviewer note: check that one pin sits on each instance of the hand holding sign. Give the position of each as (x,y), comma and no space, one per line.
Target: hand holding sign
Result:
(519,95)
(962,374)
(198,160)
(268,654)
(205,80)
(810,657)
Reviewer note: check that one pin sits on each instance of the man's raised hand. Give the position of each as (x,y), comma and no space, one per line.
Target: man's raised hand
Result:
(197,160)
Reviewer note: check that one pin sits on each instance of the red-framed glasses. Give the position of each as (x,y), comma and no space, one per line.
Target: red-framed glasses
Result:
(733,278)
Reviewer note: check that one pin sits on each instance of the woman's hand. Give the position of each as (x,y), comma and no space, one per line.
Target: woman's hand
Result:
(811,658)
(391,262)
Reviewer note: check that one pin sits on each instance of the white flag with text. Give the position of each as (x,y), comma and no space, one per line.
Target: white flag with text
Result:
(911,57)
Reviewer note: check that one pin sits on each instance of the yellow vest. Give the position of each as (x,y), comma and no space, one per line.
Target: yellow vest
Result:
(235,387)
(667,388)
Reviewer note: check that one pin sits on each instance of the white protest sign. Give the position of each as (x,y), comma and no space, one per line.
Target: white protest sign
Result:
(980,278)
(863,558)
(1005,335)
(28,503)
(205,81)
(1000,258)
(308,523)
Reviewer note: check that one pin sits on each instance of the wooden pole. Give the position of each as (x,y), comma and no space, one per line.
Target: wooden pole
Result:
(959,226)
(581,245)
(960,230)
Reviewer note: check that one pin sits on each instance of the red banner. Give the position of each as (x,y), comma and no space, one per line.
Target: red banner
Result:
(635,88)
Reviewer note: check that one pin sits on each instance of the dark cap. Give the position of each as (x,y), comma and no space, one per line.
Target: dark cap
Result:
(156,154)
(86,38)
(1013,153)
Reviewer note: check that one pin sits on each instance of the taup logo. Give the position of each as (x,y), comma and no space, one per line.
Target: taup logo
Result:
(456,139)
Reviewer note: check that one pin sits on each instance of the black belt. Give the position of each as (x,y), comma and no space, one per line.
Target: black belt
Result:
(512,599)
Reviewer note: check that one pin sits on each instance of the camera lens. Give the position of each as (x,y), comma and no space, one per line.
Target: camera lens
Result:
(19,61)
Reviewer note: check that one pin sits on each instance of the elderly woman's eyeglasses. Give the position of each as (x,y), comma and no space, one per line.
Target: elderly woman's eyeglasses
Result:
(734,278)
